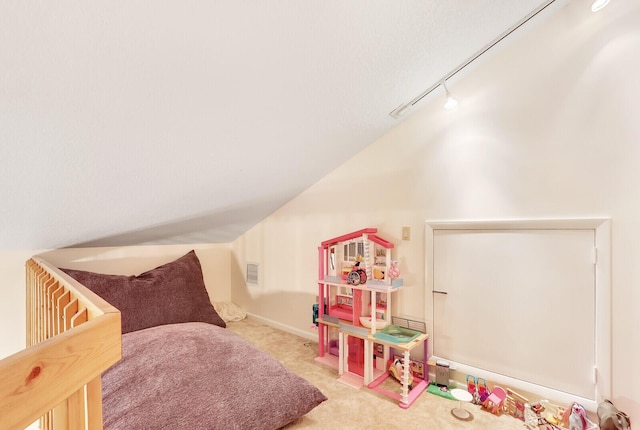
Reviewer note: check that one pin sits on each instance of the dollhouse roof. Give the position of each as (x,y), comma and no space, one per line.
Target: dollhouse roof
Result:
(370,232)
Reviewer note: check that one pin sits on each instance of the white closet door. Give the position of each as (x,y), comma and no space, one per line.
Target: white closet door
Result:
(520,303)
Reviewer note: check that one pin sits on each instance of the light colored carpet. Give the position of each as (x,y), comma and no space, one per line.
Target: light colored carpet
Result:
(349,408)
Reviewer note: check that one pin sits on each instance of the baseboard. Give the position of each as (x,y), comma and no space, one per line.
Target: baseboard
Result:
(284,327)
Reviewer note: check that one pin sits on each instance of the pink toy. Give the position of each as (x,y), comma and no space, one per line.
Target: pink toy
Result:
(575,418)
(495,400)
(396,369)
(394,272)
(483,390)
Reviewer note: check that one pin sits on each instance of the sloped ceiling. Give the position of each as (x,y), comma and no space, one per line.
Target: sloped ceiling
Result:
(133,122)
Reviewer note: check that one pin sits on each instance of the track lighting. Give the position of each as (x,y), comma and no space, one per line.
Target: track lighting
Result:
(451,102)
(400,110)
(598,4)
(403,108)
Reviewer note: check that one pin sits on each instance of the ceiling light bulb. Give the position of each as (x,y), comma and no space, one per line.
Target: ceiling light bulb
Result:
(451,102)
(598,4)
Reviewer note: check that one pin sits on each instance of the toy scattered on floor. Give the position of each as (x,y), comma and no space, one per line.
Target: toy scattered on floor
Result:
(394,272)
(443,376)
(495,401)
(533,416)
(575,417)
(471,387)
(610,418)
(483,390)
(515,405)
(441,391)
(552,418)
(478,388)
(537,408)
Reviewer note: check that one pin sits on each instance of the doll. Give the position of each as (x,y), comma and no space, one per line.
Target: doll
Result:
(394,272)
(576,417)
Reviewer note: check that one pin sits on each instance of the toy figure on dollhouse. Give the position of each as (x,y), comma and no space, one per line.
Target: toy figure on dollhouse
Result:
(394,272)
(357,276)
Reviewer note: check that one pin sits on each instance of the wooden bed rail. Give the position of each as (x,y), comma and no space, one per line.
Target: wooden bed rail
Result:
(72,337)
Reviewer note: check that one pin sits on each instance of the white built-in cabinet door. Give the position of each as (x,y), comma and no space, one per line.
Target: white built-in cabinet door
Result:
(519,302)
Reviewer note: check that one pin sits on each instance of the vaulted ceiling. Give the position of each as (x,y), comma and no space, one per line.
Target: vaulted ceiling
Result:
(130,122)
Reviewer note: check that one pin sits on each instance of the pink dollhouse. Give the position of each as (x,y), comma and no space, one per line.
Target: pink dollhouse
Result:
(356,287)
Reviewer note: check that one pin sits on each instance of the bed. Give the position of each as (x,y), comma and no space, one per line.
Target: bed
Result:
(146,351)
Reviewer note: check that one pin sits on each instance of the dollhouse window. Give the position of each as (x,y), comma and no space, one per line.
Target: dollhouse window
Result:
(351,250)
(381,256)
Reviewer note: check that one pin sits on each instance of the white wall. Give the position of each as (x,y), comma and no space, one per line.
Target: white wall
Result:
(546,128)
(131,260)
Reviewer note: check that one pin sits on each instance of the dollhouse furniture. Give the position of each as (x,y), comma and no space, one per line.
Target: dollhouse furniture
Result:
(515,404)
(494,402)
(356,312)
(461,396)
(403,345)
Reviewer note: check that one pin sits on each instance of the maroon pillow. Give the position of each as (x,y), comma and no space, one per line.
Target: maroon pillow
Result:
(169,294)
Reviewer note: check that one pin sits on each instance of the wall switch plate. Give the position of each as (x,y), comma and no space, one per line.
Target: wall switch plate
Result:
(406,233)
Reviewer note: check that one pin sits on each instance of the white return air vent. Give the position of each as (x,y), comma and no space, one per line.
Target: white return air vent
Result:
(252,273)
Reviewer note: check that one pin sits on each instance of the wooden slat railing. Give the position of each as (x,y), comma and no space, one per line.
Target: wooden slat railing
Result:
(72,337)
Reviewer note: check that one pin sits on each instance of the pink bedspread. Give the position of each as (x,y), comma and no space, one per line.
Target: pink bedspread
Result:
(200,376)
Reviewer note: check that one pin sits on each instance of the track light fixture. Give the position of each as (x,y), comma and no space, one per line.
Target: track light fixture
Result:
(598,4)
(400,110)
(451,102)
(404,107)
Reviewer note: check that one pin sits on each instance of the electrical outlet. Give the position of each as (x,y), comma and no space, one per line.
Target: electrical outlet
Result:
(406,233)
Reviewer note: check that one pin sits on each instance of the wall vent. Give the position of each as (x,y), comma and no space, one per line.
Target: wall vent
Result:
(252,273)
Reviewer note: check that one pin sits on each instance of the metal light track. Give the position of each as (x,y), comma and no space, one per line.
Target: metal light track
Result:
(397,112)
